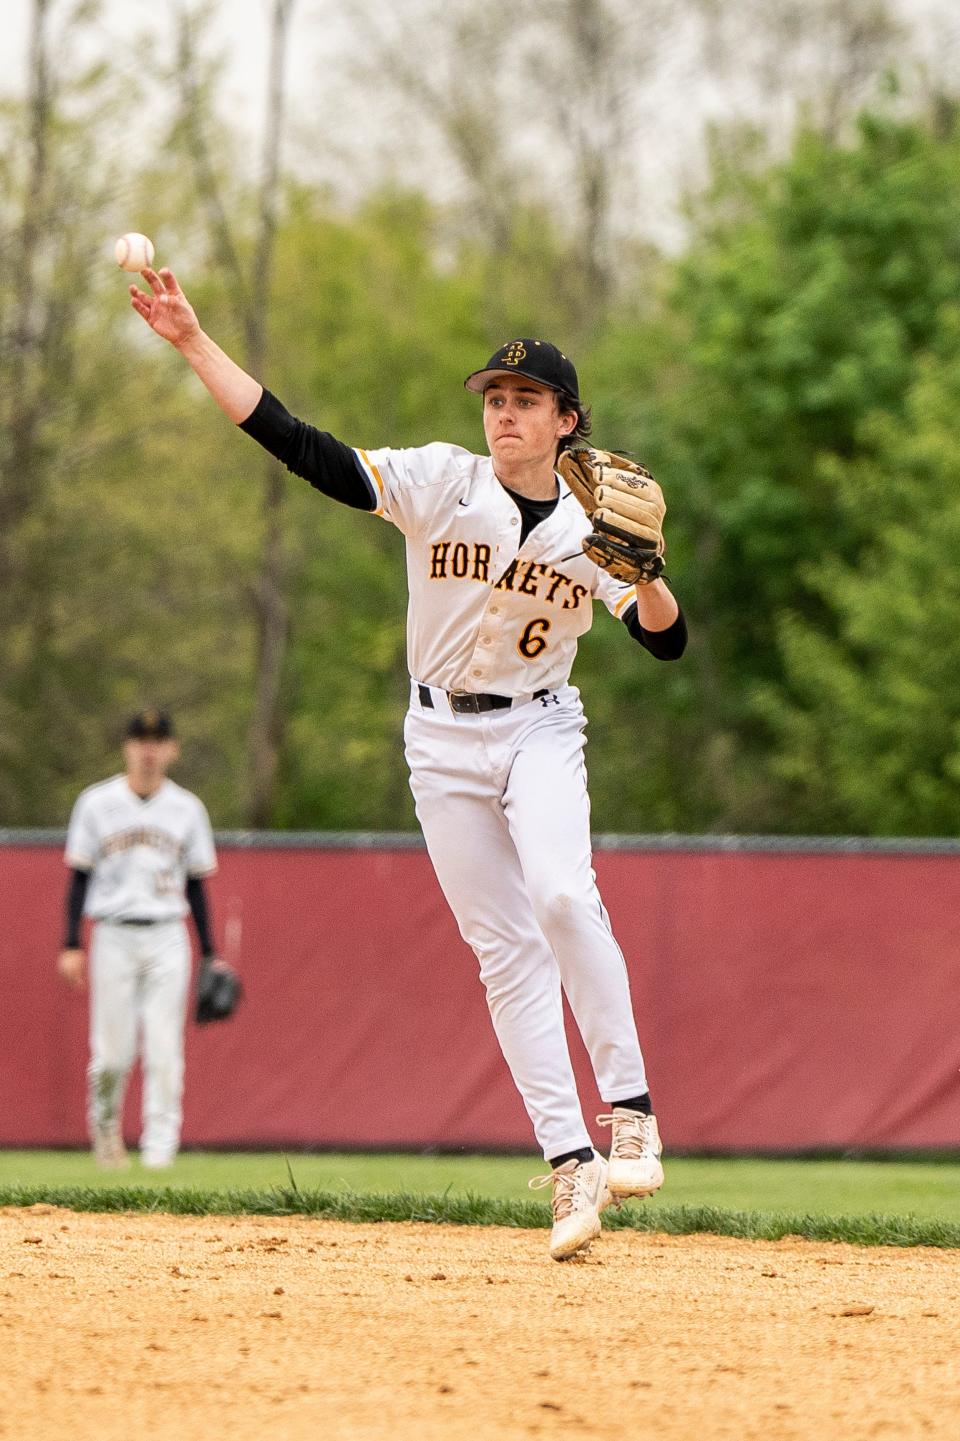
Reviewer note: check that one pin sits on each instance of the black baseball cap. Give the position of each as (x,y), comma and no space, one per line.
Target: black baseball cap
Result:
(150,725)
(536,360)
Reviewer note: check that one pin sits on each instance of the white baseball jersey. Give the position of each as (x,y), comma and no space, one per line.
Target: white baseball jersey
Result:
(140,851)
(501,791)
(486,614)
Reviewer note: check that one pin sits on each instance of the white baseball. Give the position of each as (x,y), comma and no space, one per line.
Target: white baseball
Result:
(133,251)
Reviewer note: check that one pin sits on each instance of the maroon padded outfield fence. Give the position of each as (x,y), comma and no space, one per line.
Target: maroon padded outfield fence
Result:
(791,995)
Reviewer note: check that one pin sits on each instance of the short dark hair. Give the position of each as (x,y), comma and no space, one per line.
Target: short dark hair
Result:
(567,403)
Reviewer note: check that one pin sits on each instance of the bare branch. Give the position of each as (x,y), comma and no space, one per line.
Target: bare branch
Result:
(208,185)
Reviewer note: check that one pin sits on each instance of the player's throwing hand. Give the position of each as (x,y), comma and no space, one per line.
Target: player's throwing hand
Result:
(167,310)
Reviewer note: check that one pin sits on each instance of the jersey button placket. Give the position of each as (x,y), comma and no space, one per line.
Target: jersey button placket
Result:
(508,521)
(490,632)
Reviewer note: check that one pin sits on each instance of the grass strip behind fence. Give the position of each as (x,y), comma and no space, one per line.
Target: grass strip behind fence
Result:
(471,1210)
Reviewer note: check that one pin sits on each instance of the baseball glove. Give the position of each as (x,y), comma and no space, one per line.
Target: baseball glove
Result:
(218,991)
(626,506)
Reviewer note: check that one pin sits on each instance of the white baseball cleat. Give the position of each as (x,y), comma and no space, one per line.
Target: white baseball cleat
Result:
(579,1195)
(156,1163)
(109,1151)
(635,1151)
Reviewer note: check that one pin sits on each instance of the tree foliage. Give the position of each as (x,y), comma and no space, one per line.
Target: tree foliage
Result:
(867,731)
(807,300)
(791,374)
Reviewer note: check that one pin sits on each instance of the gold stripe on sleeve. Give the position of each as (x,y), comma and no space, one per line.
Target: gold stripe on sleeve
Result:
(375,476)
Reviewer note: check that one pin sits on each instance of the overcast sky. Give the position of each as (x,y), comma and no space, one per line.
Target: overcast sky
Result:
(320,26)
(241,29)
(323,38)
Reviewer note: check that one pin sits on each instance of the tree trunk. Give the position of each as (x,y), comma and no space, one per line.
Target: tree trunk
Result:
(18,474)
(251,297)
(37,350)
(270,595)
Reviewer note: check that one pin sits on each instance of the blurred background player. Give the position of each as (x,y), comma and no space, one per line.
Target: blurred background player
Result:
(500,591)
(138,848)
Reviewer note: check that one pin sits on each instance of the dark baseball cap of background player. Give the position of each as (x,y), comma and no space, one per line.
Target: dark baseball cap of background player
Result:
(542,362)
(149,749)
(150,725)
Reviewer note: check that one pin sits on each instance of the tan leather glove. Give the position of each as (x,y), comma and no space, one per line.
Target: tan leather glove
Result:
(626,506)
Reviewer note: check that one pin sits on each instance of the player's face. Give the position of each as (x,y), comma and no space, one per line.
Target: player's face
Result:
(522,421)
(148,758)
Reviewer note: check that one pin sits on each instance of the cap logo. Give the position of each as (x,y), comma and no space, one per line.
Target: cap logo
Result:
(516,351)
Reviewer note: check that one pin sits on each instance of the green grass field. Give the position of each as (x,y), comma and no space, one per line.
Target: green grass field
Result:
(913,1197)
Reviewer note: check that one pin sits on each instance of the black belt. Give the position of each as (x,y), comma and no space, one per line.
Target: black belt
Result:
(133,920)
(468,703)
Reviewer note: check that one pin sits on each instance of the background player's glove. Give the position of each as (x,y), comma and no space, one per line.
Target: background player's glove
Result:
(626,506)
(218,991)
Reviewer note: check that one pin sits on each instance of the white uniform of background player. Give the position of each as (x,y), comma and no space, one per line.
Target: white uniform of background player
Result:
(499,593)
(139,853)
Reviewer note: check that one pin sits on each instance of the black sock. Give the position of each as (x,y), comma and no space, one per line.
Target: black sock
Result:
(585,1153)
(636,1103)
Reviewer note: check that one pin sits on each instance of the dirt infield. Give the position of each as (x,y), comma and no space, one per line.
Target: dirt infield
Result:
(120,1327)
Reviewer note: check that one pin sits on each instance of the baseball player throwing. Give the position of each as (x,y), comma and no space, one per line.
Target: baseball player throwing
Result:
(504,566)
(138,847)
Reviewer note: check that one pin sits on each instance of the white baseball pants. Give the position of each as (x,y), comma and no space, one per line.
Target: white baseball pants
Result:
(502,801)
(139,980)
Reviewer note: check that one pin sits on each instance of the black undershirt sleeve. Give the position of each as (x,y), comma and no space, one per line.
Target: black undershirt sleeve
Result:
(328,464)
(76,895)
(666,644)
(199,909)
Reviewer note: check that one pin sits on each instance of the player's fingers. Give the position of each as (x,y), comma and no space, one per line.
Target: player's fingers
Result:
(154,281)
(141,303)
(170,281)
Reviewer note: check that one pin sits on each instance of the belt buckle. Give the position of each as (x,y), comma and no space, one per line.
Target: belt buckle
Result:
(464,703)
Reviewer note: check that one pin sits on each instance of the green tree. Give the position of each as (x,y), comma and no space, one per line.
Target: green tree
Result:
(803,305)
(56,185)
(868,733)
